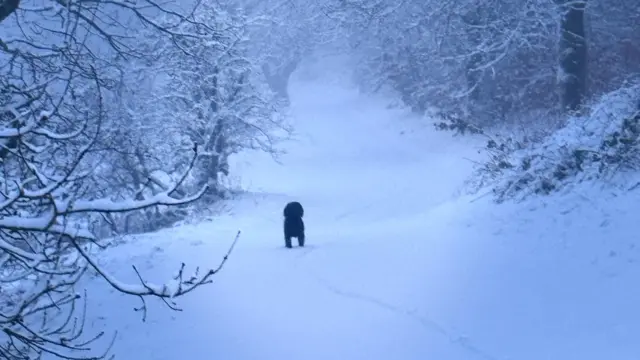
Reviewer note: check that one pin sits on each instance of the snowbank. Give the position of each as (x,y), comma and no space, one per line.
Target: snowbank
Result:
(542,279)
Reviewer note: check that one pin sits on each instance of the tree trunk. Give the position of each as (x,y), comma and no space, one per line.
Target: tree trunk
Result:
(472,72)
(573,54)
(278,78)
(213,160)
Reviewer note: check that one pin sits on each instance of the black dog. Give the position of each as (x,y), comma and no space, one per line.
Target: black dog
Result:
(293,224)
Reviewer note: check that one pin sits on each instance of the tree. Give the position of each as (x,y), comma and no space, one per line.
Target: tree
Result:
(284,33)
(484,60)
(57,73)
(612,29)
(215,86)
(139,154)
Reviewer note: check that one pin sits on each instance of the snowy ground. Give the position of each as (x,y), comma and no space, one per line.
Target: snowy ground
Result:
(398,266)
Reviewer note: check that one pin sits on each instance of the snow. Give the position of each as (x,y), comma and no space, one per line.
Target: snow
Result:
(22,222)
(594,147)
(107,205)
(6,132)
(399,264)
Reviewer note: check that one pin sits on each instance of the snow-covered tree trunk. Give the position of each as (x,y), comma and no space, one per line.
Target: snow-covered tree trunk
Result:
(573,54)
(278,77)
(214,160)
(473,71)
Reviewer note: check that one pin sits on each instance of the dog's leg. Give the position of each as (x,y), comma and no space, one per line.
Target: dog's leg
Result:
(287,241)
(301,239)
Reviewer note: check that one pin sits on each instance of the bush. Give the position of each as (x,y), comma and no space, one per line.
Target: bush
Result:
(600,145)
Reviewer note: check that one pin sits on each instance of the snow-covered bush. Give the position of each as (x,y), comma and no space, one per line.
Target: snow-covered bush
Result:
(601,145)
(455,124)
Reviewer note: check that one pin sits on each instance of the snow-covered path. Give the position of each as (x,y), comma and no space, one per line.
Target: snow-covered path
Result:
(396,266)
(356,290)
